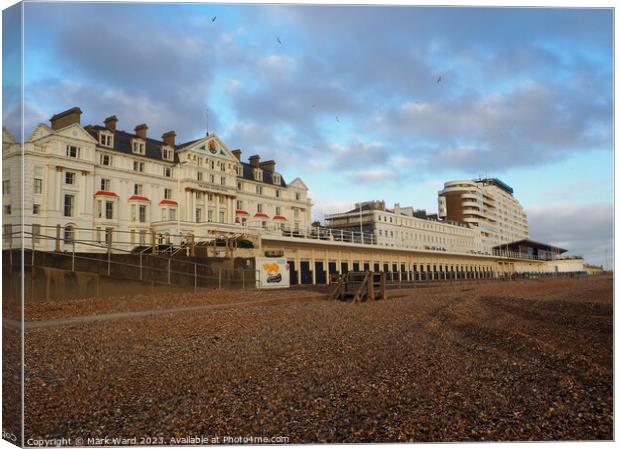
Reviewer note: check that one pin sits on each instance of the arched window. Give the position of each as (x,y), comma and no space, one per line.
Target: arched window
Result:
(69,233)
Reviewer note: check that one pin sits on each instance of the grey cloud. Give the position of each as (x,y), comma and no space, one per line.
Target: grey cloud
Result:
(585,230)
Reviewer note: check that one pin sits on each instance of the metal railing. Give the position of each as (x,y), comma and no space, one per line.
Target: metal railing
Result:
(161,267)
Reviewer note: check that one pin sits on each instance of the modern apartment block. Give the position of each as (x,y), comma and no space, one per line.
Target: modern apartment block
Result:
(485,204)
(402,227)
(102,179)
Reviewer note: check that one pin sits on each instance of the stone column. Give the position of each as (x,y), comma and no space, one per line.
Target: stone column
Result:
(217,208)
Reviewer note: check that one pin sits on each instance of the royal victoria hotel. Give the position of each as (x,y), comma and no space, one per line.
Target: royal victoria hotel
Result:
(98,179)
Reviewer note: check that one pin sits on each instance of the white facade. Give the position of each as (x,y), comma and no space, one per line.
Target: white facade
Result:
(399,228)
(110,182)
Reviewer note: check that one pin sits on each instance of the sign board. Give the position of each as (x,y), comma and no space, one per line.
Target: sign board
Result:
(273,272)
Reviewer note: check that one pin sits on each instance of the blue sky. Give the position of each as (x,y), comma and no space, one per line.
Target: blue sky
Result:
(351,99)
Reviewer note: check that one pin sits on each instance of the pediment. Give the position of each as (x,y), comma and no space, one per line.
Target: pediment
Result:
(210,146)
(7,136)
(297,182)
(40,131)
(75,131)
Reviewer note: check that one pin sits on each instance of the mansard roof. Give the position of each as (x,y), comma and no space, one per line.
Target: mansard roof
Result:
(248,173)
(122,143)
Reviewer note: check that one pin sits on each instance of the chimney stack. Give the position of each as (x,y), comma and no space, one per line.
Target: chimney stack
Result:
(269,166)
(237,154)
(141,131)
(255,161)
(110,123)
(66,118)
(169,138)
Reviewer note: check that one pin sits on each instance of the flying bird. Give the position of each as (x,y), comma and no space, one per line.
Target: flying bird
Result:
(279,41)
(438,80)
(214,17)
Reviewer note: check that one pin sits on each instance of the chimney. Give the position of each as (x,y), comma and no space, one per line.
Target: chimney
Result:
(141,131)
(110,123)
(237,154)
(168,138)
(255,161)
(269,166)
(66,118)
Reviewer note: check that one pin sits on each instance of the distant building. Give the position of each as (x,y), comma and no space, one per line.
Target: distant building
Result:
(485,204)
(402,227)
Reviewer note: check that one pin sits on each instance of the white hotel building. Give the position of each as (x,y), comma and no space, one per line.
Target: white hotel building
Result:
(98,179)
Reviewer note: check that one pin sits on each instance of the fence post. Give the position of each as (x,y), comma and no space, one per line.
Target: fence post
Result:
(57,249)
(169,261)
(73,255)
(153,249)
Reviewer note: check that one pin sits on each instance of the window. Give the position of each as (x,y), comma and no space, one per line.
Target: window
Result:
(259,208)
(105,159)
(138,147)
(69,204)
(6,186)
(142,237)
(278,193)
(167,154)
(69,178)
(99,209)
(98,235)
(36,209)
(172,213)
(36,232)
(198,215)
(239,186)
(168,194)
(164,213)
(37,186)
(133,212)
(258,174)
(297,196)
(223,180)
(137,189)
(212,165)
(73,151)
(199,176)
(68,234)
(223,167)
(278,210)
(276,179)
(105,184)
(259,189)
(105,139)
(109,210)
(210,215)
(239,204)
(167,172)
(138,166)
(7,209)
(212,178)
(142,213)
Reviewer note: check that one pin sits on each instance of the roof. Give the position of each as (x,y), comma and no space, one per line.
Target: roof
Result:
(531,244)
(248,173)
(122,143)
(499,183)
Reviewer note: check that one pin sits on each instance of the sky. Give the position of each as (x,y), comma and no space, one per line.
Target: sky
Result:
(361,102)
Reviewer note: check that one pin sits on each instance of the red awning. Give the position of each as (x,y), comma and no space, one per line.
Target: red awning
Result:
(279,217)
(138,198)
(105,193)
(173,202)
(260,215)
(241,212)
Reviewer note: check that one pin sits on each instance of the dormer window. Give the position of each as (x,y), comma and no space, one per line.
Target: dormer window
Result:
(138,147)
(258,174)
(105,139)
(277,179)
(167,153)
